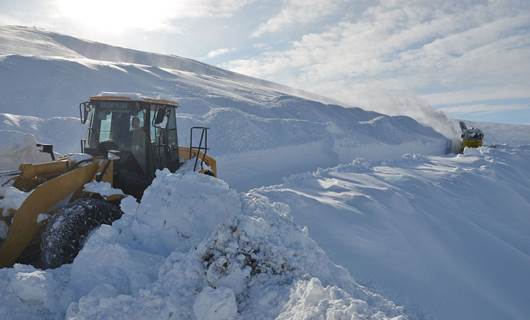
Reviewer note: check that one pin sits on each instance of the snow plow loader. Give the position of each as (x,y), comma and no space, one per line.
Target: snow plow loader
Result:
(471,137)
(129,138)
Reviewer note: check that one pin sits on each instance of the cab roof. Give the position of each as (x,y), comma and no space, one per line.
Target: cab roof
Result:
(131,96)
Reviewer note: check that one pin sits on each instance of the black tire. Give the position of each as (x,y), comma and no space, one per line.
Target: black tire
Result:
(68,228)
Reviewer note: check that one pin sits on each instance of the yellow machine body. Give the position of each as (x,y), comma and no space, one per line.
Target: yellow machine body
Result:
(472,143)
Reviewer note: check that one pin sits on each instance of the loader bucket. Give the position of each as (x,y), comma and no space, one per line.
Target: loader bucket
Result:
(46,197)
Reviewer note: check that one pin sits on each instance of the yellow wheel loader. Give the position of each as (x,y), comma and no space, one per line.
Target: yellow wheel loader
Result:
(129,138)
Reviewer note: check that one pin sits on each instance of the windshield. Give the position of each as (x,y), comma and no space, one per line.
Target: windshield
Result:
(119,125)
(116,122)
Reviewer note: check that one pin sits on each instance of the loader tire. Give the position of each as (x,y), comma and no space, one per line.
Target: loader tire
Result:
(70,226)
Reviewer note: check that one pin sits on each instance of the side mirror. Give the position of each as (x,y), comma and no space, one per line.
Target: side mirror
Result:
(161,118)
(47,148)
(84,109)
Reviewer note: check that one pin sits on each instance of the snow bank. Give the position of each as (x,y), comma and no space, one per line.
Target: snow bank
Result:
(446,236)
(193,249)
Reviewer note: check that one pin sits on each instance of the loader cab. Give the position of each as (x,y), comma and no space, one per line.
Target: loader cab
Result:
(142,130)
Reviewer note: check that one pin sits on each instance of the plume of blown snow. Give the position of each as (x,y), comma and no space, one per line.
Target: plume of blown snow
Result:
(407,105)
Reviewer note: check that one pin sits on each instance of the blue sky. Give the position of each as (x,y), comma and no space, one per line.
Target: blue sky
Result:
(468,58)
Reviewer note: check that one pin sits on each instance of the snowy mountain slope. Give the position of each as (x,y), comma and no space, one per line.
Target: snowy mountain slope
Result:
(252,121)
(449,235)
(220,255)
(21,40)
(36,43)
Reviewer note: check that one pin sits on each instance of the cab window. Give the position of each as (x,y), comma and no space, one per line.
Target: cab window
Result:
(157,133)
(104,126)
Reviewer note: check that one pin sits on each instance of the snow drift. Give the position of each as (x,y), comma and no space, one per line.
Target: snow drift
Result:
(194,248)
(447,236)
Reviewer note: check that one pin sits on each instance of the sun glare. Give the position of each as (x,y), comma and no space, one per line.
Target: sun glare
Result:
(117,16)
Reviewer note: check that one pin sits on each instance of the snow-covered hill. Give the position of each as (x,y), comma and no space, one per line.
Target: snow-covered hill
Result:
(46,75)
(61,70)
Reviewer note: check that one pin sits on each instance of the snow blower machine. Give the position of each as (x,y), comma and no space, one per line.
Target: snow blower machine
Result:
(471,137)
(129,138)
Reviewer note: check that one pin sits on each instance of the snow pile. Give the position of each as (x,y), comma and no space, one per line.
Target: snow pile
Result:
(447,236)
(194,249)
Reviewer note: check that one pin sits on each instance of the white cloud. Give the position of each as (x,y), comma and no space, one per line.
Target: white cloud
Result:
(219,52)
(295,12)
(450,51)
(483,108)
(498,92)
